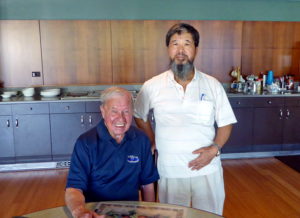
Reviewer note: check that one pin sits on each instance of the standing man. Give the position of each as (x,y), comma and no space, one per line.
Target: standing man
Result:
(112,160)
(186,104)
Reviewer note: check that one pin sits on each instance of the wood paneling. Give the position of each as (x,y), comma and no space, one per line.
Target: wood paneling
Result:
(220,47)
(139,50)
(271,46)
(88,52)
(20,53)
(76,52)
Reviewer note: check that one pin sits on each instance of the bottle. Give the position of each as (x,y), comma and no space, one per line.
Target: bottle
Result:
(270,77)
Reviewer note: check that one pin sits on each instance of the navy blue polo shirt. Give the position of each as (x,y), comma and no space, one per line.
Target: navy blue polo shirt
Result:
(105,170)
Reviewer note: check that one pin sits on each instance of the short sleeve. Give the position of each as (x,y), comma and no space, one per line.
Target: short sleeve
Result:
(224,113)
(142,103)
(149,172)
(80,167)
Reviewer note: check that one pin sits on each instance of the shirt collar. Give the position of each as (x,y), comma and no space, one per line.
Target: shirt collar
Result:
(104,134)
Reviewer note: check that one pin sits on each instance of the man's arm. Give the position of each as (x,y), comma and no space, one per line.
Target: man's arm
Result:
(76,203)
(148,192)
(147,128)
(206,154)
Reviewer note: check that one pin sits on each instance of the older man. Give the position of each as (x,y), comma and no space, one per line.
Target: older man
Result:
(186,104)
(111,161)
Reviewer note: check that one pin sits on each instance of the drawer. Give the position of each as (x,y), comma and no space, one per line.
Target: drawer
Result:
(93,106)
(241,102)
(36,108)
(292,101)
(269,102)
(5,109)
(67,107)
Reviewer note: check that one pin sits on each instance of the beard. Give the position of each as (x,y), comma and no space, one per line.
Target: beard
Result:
(182,71)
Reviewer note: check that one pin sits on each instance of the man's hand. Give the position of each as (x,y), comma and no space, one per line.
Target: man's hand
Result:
(82,212)
(206,154)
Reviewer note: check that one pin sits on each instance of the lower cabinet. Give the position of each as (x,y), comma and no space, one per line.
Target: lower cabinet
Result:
(45,131)
(32,141)
(268,128)
(68,121)
(7,150)
(291,124)
(242,131)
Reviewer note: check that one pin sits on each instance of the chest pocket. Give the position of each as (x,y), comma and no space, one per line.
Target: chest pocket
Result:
(199,112)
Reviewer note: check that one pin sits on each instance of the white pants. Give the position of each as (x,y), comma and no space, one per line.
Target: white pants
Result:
(202,192)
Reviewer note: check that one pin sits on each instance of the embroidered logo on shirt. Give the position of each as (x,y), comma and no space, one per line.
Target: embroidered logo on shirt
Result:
(133,159)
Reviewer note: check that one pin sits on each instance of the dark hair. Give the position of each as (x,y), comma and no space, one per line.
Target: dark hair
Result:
(183,28)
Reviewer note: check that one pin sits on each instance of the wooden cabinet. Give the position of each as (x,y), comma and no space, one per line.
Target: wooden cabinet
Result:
(68,121)
(20,53)
(276,124)
(139,51)
(76,52)
(291,124)
(7,151)
(265,124)
(32,140)
(242,132)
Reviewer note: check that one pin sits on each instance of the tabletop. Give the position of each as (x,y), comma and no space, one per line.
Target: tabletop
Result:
(129,209)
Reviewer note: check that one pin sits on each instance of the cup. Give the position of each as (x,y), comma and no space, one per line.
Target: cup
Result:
(270,77)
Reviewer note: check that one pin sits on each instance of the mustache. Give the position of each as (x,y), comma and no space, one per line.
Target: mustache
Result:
(181,54)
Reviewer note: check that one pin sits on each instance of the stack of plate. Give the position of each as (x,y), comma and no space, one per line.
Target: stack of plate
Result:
(8,94)
(50,92)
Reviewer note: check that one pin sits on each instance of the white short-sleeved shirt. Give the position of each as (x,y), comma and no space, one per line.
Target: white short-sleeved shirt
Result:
(184,120)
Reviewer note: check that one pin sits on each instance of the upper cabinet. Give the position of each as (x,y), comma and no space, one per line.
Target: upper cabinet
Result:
(20,53)
(95,52)
(76,52)
(139,51)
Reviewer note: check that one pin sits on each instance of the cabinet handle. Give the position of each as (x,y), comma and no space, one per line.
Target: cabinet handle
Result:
(280,114)
(8,123)
(67,107)
(238,102)
(90,120)
(17,123)
(287,114)
(81,120)
(269,102)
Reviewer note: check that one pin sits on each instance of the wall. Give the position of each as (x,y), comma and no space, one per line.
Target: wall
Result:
(264,10)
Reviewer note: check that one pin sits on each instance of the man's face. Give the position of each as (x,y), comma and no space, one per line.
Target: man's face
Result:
(117,115)
(182,48)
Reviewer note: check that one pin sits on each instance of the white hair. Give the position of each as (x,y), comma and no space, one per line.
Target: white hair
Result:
(113,91)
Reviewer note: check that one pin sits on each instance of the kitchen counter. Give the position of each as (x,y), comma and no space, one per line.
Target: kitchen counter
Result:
(22,99)
(265,94)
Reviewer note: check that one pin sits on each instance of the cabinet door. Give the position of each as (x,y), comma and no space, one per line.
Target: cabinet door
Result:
(65,129)
(291,129)
(241,136)
(32,136)
(76,51)
(20,53)
(92,119)
(7,151)
(267,133)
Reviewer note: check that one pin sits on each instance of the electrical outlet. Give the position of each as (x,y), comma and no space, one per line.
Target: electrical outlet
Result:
(36,74)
